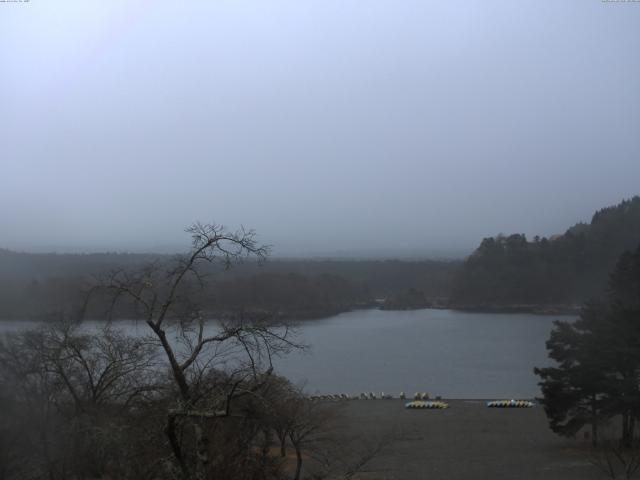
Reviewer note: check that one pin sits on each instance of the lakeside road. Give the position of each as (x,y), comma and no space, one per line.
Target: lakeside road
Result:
(466,441)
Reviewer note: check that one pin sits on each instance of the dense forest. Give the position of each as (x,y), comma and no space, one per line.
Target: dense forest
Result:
(504,272)
(560,270)
(34,285)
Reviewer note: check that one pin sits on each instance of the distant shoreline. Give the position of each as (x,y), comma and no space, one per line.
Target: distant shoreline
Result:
(536,309)
(533,309)
(309,316)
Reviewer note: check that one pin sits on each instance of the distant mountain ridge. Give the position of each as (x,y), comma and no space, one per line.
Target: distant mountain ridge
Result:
(565,269)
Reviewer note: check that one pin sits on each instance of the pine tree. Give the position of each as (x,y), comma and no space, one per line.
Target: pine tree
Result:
(597,376)
(574,392)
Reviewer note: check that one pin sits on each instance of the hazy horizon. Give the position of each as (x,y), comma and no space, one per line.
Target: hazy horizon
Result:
(418,253)
(439,252)
(334,128)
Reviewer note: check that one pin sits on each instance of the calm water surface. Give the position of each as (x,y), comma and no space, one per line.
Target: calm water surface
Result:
(443,352)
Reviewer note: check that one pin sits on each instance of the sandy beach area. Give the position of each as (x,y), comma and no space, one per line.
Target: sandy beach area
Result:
(466,441)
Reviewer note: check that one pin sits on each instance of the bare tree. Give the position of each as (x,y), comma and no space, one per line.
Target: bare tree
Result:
(190,400)
(72,392)
(166,297)
(614,458)
(316,432)
(310,424)
(345,457)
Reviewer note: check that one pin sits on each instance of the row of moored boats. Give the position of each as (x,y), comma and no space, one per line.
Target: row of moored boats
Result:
(421,400)
(372,396)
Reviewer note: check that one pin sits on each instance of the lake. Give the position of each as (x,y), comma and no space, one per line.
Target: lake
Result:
(444,352)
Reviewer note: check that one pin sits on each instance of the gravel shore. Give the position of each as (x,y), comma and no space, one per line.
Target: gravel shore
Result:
(466,441)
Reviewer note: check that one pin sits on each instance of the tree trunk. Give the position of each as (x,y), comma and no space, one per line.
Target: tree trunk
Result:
(202,451)
(178,374)
(283,446)
(594,422)
(170,432)
(626,430)
(267,442)
(298,463)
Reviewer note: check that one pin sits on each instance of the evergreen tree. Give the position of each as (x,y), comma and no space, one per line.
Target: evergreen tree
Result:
(622,350)
(574,392)
(568,268)
(597,375)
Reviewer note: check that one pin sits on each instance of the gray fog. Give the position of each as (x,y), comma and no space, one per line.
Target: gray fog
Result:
(333,126)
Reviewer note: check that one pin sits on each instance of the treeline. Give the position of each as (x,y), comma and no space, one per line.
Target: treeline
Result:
(564,269)
(34,285)
(504,272)
(291,294)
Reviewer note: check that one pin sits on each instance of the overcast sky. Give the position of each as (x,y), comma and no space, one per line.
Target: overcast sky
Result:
(329,126)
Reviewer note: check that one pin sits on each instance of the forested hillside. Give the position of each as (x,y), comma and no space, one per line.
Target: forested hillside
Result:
(565,269)
(503,272)
(33,285)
